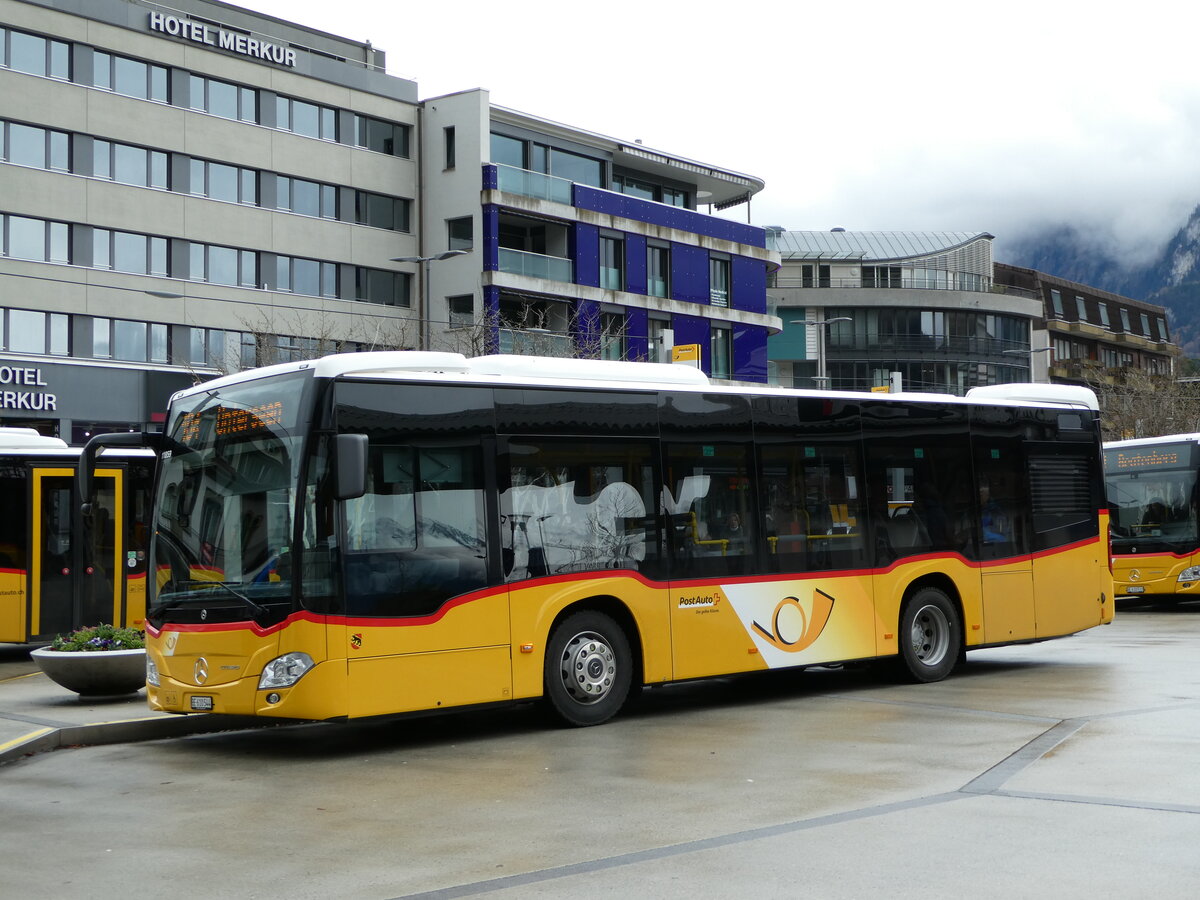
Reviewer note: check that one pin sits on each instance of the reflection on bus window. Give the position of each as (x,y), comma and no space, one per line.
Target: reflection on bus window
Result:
(709,505)
(576,507)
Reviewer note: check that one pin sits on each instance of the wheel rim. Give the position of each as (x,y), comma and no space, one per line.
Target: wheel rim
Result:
(930,635)
(588,667)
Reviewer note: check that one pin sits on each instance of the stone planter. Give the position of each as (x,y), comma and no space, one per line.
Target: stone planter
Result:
(97,673)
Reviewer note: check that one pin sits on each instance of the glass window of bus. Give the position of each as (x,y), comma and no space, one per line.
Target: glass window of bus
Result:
(1152,496)
(708,500)
(539,411)
(14,500)
(1001,516)
(420,535)
(918,481)
(575,506)
(226,496)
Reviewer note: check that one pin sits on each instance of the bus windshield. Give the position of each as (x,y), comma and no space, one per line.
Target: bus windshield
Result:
(1152,496)
(226,502)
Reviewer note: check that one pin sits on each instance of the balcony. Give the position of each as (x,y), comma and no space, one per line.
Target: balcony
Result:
(535,265)
(535,342)
(924,283)
(966,346)
(533,184)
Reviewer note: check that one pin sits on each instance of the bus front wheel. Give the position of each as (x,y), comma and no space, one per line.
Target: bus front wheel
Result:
(930,639)
(589,669)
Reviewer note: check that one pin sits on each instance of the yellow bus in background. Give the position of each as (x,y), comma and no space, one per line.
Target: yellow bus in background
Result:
(385,533)
(1152,498)
(59,569)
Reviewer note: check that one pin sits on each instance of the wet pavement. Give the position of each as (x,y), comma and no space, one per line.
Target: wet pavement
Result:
(1064,769)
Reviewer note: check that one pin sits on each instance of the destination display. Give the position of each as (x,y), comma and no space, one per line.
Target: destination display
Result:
(1149,457)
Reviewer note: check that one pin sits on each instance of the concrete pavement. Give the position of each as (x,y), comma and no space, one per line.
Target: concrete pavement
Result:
(37,715)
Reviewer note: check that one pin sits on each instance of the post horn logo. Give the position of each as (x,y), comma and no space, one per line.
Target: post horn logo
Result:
(795,628)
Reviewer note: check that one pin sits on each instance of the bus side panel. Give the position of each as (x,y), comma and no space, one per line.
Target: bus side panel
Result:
(892,585)
(773,624)
(1008,607)
(537,605)
(1070,583)
(460,655)
(13,606)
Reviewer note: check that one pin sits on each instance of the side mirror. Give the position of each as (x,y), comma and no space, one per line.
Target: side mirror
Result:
(86,466)
(350,459)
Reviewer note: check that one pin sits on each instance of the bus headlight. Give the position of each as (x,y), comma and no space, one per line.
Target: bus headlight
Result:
(1191,573)
(151,673)
(284,671)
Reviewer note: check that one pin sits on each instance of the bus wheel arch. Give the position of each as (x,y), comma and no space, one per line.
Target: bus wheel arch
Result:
(592,661)
(930,630)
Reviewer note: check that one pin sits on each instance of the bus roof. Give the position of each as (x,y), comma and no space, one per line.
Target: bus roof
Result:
(1163,439)
(554,371)
(28,439)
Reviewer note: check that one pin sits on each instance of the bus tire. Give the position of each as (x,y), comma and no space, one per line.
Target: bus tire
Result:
(930,636)
(588,670)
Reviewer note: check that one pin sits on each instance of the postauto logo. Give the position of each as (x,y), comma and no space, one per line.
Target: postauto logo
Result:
(794,628)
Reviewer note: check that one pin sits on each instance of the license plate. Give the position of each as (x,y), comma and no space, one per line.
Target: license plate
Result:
(201,704)
(1135,589)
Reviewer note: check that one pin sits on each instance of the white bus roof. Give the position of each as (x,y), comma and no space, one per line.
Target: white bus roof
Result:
(553,372)
(1164,439)
(28,439)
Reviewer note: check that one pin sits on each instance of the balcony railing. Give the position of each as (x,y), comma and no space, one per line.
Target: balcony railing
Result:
(533,184)
(526,342)
(918,343)
(973,284)
(535,265)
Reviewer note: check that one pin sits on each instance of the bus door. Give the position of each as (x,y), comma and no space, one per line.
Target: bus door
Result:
(75,561)
(1002,526)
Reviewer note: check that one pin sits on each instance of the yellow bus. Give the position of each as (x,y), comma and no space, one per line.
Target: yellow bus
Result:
(376,534)
(60,570)
(1151,487)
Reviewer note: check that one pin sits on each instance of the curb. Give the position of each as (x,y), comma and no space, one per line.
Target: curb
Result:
(149,728)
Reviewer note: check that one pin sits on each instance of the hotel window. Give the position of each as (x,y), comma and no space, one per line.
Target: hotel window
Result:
(383,287)
(308,198)
(220,98)
(27,238)
(461,310)
(460,234)
(612,336)
(718,281)
(1081,309)
(382,137)
(381,211)
(1103,307)
(1056,302)
(35,55)
(223,265)
(658,271)
(27,331)
(123,251)
(307,119)
(1125,326)
(129,165)
(128,340)
(449,146)
(612,263)
(27,145)
(720,351)
(218,181)
(130,77)
(306,276)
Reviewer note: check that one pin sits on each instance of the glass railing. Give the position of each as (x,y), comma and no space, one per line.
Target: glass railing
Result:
(533,184)
(535,265)
(534,342)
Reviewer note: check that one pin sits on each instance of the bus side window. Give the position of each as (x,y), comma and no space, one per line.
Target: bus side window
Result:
(710,507)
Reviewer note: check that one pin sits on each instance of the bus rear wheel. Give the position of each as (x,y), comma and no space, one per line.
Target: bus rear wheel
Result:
(589,669)
(930,638)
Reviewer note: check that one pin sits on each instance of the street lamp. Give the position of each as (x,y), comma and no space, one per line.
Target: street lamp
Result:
(423,313)
(822,324)
(1029,353)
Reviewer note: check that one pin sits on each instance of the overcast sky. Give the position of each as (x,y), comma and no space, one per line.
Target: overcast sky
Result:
(1006,117)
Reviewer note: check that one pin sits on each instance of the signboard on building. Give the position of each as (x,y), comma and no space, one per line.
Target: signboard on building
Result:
(686,354)
(212,36)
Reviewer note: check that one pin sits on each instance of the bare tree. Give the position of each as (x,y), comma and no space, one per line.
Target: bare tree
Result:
(1141,405)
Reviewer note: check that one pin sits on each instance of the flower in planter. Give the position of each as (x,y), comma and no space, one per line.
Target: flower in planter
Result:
(98,638)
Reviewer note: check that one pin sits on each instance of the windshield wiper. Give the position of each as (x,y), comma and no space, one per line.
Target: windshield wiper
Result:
(255,609)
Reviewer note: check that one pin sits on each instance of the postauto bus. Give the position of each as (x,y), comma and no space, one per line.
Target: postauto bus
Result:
(384,533)
(1151,487)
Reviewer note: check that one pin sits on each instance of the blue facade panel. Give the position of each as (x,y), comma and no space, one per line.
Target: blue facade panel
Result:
(491,238)
(491,180)
(694,330)
(689,273)
(635,263)
(749,287)
(585,250)
(637,334)
(491,312)
(615,204)
(750,353)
